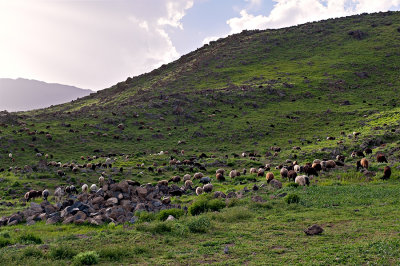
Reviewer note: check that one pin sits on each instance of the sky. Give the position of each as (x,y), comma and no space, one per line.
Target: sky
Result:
(93,44)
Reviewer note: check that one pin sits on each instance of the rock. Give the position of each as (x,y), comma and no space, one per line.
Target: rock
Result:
(219,194)
(54,219)
(226,250)
(141,192)
(133,219)
(36,207)
(255,187)
(68,220)
(140,207)
(79,221)
(231,195)
(112,201)
(170,218)
(314,230)
(15,222)
(14,217)
(80,215)
(257,199)
(97,200)
(275,184)
(156,203)
(30,222)
(49,209)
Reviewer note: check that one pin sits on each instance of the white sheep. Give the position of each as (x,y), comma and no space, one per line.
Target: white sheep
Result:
(199,190)
(93,188)
(253,171)
(317,161)
(101,180)
(85,188)
(186,177)
(59,193)
(302,180)
(10,155)
(208,188)
(296,168)
(188,184)
(233,174)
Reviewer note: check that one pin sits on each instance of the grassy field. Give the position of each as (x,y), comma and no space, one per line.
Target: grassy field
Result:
(292,87)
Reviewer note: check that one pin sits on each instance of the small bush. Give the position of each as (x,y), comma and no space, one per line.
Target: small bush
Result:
(4,242)
(140,250)
(144,216)
(29,239)
(86,258)
(295,185)
(203,204)
(163,215)
(112,253)
(234,214)
(292,198)
(32,252)
(155,228)
(199,224)
(62,252)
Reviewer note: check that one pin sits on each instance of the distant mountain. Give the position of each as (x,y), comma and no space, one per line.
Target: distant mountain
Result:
(24,94)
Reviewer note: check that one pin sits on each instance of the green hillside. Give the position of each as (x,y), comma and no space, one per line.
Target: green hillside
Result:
(304,89)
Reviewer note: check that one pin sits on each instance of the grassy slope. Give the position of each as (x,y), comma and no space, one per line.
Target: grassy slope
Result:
(243,75)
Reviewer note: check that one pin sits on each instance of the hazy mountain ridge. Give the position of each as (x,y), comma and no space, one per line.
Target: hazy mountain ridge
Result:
(24,94)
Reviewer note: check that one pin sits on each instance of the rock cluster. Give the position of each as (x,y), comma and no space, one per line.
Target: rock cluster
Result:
(112,203)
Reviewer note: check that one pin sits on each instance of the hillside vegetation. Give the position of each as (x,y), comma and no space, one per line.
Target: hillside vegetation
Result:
(296,93)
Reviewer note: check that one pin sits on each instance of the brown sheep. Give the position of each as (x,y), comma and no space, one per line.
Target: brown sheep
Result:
(284,172)
(188,184)
(363,163)
(269,177)
(330,164)
(163,183)
(357,154)
(260,172)
(317,166)
(32,194)
(292,175)
(208,188)
(220,177)
(387,172)
(198,175)
(310,170)
(253,170)
(222,171)
(381,158)
(340,158)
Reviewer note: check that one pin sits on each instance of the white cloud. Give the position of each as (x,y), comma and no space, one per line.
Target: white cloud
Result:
(292,12)
(90,44)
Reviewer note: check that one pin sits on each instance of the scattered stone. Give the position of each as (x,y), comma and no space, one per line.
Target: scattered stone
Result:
(170,218)
(314,230)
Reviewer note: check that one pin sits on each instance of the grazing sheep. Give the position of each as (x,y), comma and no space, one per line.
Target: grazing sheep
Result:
(10,155)
(292,175)
(387,172)
(205,180)
(368,151)
(186,177)
(267,167)
(188,184)
(296,168)
(317,161)
(71,190)
(284,172)
(199,190)
(198,175)
(357,154)
(220,177)
(317,166)
(175,179)
(233,174)
(101,180)
(85,188)
(269,176)
(363,163)
(381,158)
(208,188)
(302,180)
(32,194)
(253,170)
(59,194)
(221,171)
(260,172)
(310,171)
(93,188)
(45,194)
(330,164)
(244,171)
(163,183)
(340,158)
